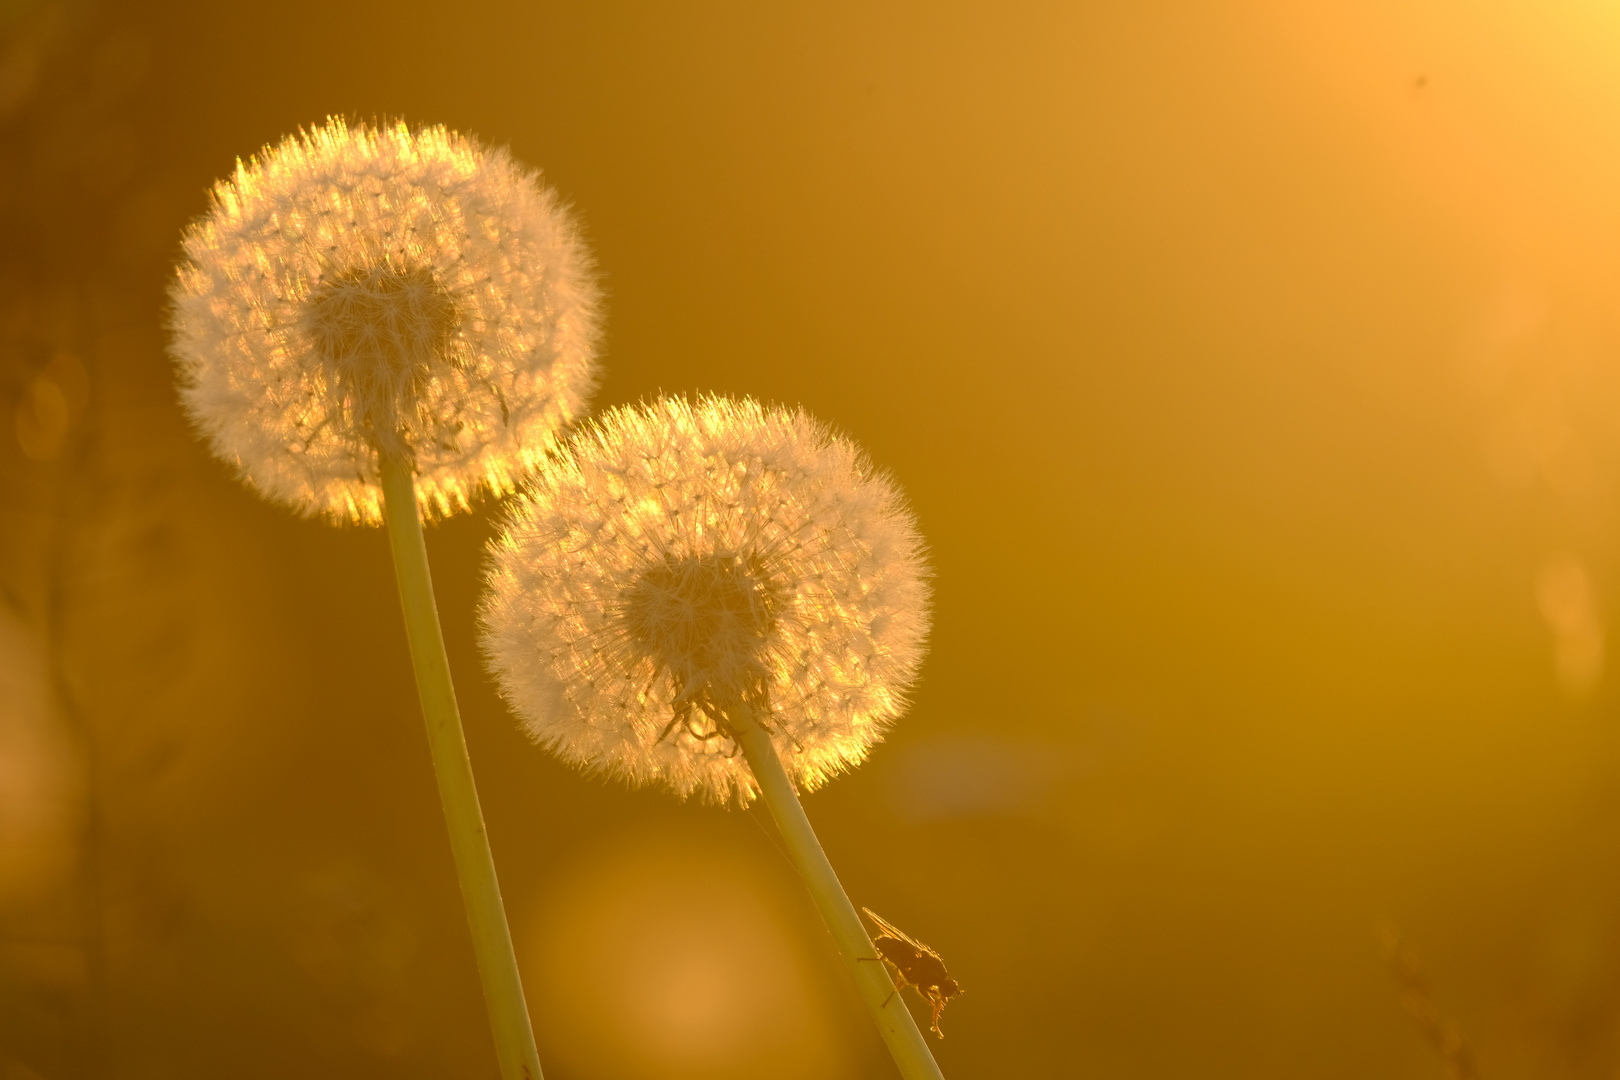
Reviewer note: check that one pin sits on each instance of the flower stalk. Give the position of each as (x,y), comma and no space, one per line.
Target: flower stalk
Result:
(894,1021)
(469,841)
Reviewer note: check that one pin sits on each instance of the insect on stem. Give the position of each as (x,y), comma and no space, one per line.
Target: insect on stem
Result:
(914,965)
(906,1042)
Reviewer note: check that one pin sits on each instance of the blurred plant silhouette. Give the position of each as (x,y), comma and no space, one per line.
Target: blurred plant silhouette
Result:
(1418,1001)
(87,541)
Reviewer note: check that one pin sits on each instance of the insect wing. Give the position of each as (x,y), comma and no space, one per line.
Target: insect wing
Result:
(888,929)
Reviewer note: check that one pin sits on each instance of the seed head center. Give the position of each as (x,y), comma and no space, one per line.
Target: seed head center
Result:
(706,619)
(379,331)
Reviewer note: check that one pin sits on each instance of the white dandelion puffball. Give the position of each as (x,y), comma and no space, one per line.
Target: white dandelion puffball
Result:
(677,559)
(356,291)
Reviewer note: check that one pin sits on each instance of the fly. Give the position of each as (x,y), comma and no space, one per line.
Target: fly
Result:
(914,964)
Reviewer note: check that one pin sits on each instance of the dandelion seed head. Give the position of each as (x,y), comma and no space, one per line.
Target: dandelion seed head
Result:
(356,290)
(677,558)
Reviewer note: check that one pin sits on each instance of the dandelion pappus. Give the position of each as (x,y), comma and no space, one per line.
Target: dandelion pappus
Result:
(914,964)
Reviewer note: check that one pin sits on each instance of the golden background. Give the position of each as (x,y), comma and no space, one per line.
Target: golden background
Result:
(1253,368)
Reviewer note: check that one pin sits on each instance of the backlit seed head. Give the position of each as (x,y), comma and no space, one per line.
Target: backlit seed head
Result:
(677,559)
(363,290)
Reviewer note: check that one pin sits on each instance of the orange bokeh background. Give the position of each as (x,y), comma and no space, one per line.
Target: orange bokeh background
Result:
(1253,370)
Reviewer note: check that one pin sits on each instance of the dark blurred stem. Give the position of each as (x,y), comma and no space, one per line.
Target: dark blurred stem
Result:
(92,1044)
(894,1020)
(475,865)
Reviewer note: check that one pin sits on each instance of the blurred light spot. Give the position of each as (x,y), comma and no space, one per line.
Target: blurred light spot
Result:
(54,400)
(41,790)
(32,33)
(19,72)
(42,419)
(1568,603)
(978,776)
(1530,367)
(663,958)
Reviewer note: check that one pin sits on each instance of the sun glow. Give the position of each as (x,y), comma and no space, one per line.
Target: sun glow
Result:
(666,956)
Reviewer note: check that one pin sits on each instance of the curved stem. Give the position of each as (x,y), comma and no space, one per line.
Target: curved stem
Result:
(889,1012)
(475,865)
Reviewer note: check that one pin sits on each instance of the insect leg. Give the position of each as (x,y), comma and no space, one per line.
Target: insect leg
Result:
(879,960)
(669,728)
(682,715)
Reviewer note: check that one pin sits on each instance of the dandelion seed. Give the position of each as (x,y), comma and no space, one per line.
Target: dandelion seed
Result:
(683,557)
(363,290)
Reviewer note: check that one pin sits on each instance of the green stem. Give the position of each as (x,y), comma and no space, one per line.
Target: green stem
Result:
(889,1012)
(475,865)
